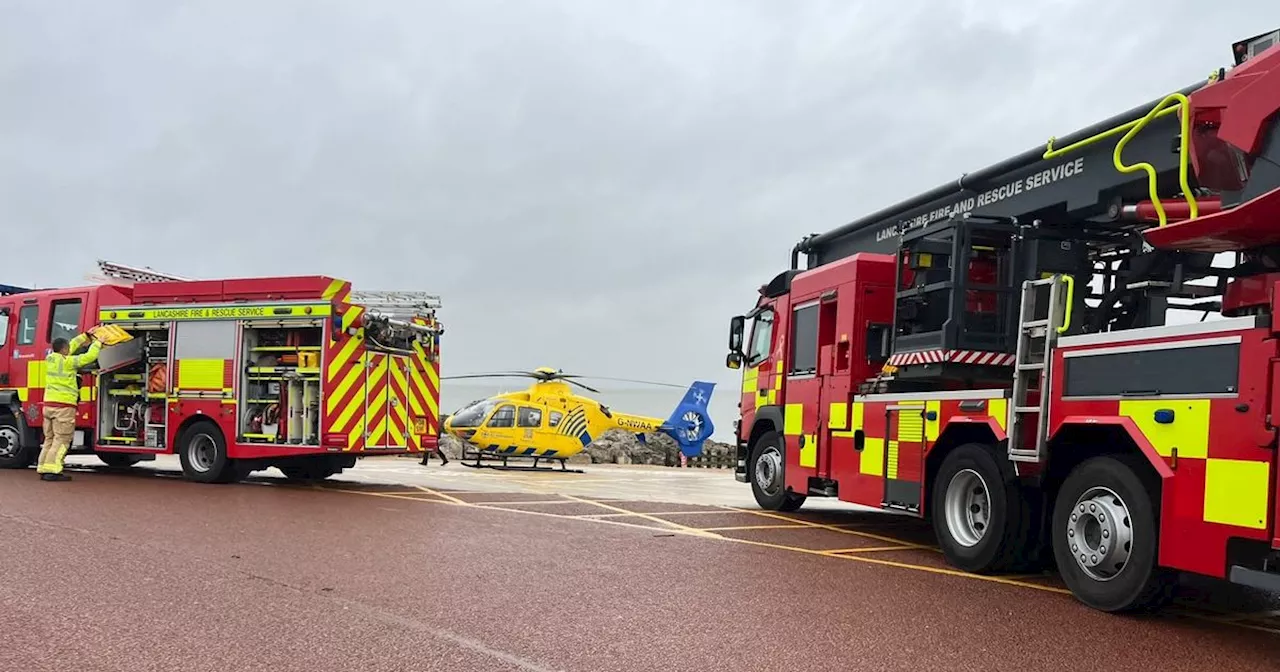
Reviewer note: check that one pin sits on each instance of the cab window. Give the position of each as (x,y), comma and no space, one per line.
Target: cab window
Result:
(804,340)
(761,338)
(65,319)
(505,416)
(529,417)
(27,324)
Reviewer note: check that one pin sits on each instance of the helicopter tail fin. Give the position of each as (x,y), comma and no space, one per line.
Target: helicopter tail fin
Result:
(689,424)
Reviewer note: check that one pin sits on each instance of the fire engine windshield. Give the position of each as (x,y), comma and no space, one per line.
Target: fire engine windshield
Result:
(473,414)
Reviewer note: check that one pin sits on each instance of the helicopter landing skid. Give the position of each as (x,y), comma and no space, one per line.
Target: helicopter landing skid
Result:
(480,458)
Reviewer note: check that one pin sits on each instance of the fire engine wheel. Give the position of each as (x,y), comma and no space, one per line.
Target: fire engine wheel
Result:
(13,455)
(980,519)
(203,453)
(767,474)
(1105,535)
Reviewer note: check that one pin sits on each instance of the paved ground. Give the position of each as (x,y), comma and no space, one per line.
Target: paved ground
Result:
(395,566)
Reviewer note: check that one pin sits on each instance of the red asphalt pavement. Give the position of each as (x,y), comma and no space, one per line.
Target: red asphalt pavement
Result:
(120,572)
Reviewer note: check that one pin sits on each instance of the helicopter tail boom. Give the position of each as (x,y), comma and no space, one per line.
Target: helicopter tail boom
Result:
(689,423)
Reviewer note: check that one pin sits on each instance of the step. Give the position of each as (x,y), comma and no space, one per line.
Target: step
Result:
(1026,409)
(1035,323)
(1039,366)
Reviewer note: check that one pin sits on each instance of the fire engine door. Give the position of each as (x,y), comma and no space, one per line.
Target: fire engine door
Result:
(389,402)
(904,456)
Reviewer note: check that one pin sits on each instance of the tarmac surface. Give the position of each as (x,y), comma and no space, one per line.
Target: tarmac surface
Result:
(397,566)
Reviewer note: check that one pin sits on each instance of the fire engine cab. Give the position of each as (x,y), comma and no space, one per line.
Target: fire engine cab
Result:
(233,376)
(1024,356)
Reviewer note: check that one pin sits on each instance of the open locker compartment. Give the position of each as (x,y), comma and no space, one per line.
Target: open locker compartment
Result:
(132,389)
(280,382)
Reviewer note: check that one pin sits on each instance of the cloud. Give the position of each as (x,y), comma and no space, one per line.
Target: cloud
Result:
(594,186)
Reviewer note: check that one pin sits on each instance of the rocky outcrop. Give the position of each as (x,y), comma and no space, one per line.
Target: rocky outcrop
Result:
(619,447)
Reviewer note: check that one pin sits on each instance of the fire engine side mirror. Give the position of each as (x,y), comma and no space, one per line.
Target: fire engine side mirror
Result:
(737,324)
(733,361)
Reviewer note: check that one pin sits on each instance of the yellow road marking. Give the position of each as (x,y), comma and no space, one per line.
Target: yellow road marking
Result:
(871,549)
(691,530)
(834,528)
(844,554)
(753,527)
(441,495)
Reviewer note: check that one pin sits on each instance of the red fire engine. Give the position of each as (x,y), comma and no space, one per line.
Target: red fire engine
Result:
(994,354)
(234,376)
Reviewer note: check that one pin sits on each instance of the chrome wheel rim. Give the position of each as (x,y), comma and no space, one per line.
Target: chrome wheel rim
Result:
(769,471)
(968,507)
(8,441)
(1100,533)
(201,452)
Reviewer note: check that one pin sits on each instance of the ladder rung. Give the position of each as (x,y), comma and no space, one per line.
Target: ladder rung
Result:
(1035,323)
(1026,409)
(1031,367)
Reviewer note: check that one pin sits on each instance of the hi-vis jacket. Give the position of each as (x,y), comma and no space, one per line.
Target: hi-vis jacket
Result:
(61,374)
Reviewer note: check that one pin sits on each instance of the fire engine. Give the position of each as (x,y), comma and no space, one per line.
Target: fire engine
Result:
(234,376)
(1020,356)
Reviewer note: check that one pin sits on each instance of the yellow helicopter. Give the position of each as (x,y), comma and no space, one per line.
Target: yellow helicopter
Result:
(547,421)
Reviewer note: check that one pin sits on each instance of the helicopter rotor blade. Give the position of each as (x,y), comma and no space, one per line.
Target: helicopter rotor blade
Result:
(585,387)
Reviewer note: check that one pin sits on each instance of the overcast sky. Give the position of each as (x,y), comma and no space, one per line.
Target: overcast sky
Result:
(591,185)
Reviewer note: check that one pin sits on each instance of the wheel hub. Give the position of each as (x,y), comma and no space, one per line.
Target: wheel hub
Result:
(8,442)
(769,470)
(201,452)
(968,507)
(1100,533)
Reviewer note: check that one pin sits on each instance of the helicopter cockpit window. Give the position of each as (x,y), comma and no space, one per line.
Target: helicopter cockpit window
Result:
(529,417)
(553,418)
(505,416)
(473,414)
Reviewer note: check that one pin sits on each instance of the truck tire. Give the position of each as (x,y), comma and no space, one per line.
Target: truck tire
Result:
(13,455)
(767,472)
(203,452)
(1106,535)
(981,519)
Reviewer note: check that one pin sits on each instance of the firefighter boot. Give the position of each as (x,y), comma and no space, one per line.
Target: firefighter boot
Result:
(54,477)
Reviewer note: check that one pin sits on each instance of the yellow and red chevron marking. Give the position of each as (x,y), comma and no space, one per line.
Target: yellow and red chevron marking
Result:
(424,390)
(338,291)
(347,382)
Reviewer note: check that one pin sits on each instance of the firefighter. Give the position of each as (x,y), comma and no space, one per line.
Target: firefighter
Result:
(61,399)
(426,456)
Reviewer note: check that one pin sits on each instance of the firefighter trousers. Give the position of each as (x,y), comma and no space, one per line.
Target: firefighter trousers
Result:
(59,427)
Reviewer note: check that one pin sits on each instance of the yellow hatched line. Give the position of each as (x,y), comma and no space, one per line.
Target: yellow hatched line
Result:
(874,549)
(834,528)
(685,528)
(753,527)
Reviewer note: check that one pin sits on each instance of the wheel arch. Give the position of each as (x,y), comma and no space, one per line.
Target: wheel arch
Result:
(953,436)
(190,421)
(768,419)
(1080,439)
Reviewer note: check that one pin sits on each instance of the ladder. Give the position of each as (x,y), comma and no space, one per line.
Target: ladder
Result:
(1038,328)
(406,303)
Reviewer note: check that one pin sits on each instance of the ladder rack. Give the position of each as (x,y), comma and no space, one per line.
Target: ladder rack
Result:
(399,303)
(1033,364)
(8,290)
